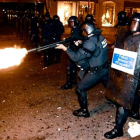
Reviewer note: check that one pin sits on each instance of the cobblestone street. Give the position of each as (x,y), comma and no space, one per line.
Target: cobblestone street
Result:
(33,107)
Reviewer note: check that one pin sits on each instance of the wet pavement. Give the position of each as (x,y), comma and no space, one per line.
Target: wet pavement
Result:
(33,107)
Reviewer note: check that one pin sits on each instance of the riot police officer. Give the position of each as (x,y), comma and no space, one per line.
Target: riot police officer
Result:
(125,94)
(90,18)
(122,30)
(58,30)
(122,19)
(35,29)
(71,79)
(47,33)
(92,59)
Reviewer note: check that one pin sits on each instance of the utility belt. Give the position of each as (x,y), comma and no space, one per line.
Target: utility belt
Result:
(97,69)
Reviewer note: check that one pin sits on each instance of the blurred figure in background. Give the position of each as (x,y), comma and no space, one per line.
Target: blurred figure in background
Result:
(122,19)
(122,30)
(58,30)
(35,30)
(71,78)
(90,18)
(47,33)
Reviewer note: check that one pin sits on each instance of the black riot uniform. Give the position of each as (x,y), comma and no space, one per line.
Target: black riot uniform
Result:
(35,29)
(92,58)
(123,89)
(58,30)
(47,33)
(71,79)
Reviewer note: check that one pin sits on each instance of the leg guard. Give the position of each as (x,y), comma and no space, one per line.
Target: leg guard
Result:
(70,81)
(121,117)
(82,98)
(74,77)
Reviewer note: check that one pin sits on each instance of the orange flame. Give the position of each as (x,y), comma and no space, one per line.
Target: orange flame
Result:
(11,57)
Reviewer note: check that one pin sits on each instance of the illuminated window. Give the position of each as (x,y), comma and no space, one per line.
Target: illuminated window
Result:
(108,17)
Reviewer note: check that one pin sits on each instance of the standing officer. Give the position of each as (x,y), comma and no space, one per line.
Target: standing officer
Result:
(47,33)
(58,30)
(90,18)
(122,19)
(35,29)
(122,30)
(123,89)
(72,68)
(92,58)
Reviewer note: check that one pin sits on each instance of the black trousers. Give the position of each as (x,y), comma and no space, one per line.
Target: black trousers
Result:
(90,80)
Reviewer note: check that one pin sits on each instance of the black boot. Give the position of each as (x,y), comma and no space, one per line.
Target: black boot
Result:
(82,98)
(81,113)
(121,117)
(113,134)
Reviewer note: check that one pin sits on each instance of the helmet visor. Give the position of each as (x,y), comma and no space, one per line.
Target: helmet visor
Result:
(88,18)
(87,29)
(135,25)
(71,23)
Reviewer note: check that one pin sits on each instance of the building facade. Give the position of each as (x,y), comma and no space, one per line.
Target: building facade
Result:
(104,11)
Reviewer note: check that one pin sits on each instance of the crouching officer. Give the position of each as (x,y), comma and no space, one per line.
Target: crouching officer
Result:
(92,58)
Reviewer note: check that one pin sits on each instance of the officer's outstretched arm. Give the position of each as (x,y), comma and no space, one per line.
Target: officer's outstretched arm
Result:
(61,46)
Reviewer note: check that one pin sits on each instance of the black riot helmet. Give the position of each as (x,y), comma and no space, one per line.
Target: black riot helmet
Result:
(73,21)
(89,17)
(87,28)
(47,16)
(122,19)
(122,16)
(135,25)
(56,18)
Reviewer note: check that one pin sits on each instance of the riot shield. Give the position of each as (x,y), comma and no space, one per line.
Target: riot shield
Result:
(122,86)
